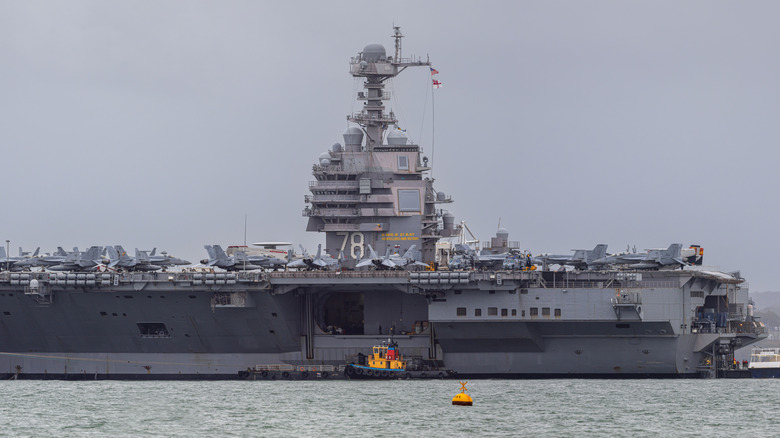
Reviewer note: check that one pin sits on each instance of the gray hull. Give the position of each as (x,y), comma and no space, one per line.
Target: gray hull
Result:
(191,325)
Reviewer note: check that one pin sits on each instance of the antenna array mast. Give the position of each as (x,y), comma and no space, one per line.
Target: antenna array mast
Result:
(397,35)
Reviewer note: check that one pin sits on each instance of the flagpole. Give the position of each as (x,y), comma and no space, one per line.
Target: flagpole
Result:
(433,126)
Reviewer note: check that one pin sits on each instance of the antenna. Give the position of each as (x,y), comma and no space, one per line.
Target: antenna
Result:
(397,35)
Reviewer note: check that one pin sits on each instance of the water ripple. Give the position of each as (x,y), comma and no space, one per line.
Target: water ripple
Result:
(560,408)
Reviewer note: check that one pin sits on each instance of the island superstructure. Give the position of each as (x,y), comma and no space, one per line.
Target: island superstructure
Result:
(373,190)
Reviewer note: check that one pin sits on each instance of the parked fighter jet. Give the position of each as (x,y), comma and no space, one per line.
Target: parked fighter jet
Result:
(78,261)
(489,260)
(581,259)
(391,261)
(652,259)
(373,259)
(45,260)
(164,259)
(10,263)
(319,261)
(239,260)
(118,258)
(218,258)
(409,258)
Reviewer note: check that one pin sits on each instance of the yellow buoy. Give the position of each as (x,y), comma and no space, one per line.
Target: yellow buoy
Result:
(462,399)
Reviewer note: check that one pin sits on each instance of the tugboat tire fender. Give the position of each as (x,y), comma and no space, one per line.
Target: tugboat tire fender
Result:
(305,374)
(264,374)
(285,374)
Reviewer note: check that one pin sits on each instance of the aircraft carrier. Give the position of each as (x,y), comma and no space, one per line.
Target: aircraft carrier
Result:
(647,315)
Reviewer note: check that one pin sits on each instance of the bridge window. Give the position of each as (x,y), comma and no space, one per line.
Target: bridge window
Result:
(461,311)
(477,312)
(504,312)
(492,311)
(409,200)
(545,311)
(403,162)
(534,311)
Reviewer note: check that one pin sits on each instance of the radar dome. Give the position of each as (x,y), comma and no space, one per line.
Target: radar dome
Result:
(374,52)
(396,138)
(502,233)
(353,138)
(337,147)
(324,159)
(440,196)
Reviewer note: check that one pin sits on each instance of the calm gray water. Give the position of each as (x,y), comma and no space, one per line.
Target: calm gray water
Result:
(731,408)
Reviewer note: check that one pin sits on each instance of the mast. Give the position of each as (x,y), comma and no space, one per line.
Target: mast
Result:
(376,67)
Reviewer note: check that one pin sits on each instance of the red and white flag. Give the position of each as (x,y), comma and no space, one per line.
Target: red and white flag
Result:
(437,84)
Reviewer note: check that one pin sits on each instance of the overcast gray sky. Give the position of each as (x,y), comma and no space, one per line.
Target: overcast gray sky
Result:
(573,122)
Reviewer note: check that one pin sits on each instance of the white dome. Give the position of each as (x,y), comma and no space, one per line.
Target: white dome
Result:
(353,136)
(397,137)
(374,52)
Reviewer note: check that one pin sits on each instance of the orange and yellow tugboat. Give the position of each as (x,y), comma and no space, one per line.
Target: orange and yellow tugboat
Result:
(386,362)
